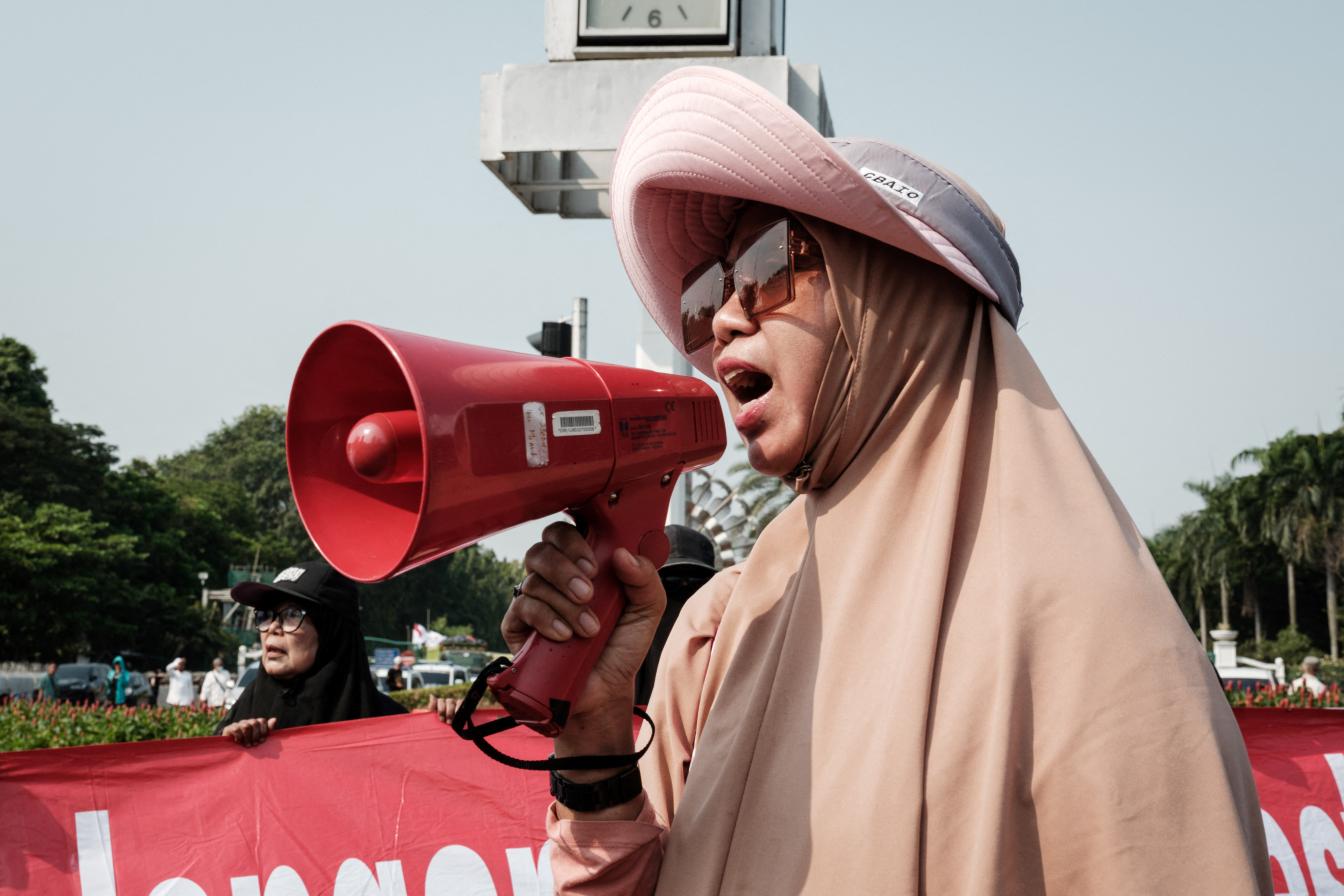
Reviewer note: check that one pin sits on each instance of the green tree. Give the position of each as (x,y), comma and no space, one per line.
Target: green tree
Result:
(1281,521)
(93,559)
(238,474)
(1318,503)
(44,460)
(22,383)
(471,587)
(1211,537)
(1179,570)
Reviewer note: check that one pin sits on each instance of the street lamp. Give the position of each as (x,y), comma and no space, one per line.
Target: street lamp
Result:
(205,595)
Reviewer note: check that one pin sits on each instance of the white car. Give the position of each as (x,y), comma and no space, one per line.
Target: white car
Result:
(412,678)
(438,674)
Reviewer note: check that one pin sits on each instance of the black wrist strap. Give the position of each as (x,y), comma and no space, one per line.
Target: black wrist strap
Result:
(614,791)
(477,734)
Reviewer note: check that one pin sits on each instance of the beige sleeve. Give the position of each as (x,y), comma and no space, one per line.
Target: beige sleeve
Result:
(607,858)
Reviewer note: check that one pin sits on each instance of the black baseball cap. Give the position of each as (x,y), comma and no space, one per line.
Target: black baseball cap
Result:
(314,582)
(689,550)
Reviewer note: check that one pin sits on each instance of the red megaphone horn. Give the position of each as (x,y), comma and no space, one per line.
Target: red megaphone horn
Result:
(404,448)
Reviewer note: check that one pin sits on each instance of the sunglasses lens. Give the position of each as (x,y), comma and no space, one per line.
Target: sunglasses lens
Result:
(761,276)
(702,294)
(762,271)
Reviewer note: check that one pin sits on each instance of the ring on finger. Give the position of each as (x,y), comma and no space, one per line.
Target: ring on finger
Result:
(518,589)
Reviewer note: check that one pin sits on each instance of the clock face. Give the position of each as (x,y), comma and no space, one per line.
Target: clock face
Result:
(659,19)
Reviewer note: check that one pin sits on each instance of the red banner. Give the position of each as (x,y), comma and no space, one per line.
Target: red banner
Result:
(396,806)
(1298,759)
(402,807)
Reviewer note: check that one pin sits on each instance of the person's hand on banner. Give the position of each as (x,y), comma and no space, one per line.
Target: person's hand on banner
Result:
(249,732)
(444,707)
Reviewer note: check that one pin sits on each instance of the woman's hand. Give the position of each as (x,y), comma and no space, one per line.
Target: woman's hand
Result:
(553,602)
(444,707)
(249,732)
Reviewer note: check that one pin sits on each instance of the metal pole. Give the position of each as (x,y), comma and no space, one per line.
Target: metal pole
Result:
(579,338)
(681,498)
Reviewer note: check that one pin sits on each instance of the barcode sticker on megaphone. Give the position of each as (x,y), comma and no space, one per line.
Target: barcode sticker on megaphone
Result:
(576,423)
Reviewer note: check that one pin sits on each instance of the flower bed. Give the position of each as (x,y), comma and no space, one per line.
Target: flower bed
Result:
(33,725)
(1278,697)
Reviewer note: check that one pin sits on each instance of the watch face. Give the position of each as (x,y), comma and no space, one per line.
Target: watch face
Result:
(639,19)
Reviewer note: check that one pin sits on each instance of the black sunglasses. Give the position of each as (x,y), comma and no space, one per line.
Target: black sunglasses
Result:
(762,276)
(290,619)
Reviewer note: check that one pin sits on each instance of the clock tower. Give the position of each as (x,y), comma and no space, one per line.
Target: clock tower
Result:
(549,131)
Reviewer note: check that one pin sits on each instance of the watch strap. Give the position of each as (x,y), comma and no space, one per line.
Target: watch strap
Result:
(604,794)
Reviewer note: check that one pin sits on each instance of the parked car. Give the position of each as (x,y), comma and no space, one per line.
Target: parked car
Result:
(249,675)
(83,682)
(139,692)
(20,685)
(439,674)
(471,660)
(412,678)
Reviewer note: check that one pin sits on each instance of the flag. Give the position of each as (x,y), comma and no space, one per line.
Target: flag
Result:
(426,637)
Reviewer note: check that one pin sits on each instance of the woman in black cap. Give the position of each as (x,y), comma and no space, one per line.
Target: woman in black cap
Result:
(313,665)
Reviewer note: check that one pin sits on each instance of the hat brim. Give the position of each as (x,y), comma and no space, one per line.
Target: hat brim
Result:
(687,566)
(261,595)
(703,141)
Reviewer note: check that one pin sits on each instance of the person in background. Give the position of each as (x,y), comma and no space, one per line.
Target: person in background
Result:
(690,564)
(1311,666)
(215,685)
(313,665)
(395,682)
(119,680)
(180,690)
(49,682)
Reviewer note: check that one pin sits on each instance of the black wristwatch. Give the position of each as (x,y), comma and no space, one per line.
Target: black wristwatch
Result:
(604,794)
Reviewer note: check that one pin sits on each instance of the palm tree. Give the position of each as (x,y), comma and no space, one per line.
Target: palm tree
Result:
(1178,568)
(1318,505)
(1280,515)
(764,496)
(1248,505)
(1211,537)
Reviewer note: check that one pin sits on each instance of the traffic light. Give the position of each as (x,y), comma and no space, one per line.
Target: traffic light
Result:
(555,340)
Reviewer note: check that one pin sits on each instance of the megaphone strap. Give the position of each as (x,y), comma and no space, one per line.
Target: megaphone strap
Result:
(467,729)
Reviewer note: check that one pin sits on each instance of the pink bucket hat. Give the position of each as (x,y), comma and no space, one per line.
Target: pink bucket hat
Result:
(704,140)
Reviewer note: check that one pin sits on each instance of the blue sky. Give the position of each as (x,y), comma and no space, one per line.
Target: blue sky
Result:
(190,192)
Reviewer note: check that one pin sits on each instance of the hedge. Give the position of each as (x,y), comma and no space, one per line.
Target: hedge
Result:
(35,725)
(26,725)
(419,698)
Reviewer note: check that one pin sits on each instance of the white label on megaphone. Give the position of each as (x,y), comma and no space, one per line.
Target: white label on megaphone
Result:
(534,434)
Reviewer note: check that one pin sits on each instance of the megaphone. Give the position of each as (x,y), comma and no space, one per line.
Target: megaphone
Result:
(404,448)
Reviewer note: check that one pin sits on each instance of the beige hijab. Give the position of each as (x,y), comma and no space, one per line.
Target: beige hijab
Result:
(950,667)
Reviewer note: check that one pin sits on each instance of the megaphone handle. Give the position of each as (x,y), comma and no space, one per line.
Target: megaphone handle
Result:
(546,677)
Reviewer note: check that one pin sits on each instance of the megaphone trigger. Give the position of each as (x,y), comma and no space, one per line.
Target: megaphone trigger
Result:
(654,545)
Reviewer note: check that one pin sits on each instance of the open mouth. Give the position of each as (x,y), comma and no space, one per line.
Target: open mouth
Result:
(747,385)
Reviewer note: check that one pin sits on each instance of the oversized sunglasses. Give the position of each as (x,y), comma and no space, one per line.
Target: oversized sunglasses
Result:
(290,619)
(762,276)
